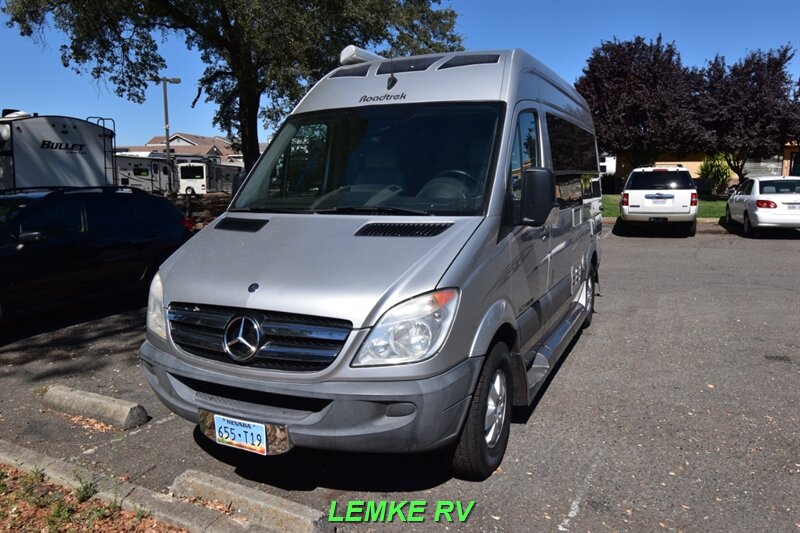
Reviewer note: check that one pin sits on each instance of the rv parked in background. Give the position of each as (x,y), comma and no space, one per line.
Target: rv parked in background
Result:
(150,174)
(201,177)
(54,151)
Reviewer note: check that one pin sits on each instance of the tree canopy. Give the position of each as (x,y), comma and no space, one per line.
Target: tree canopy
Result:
(750,109)
(641,99)
(645,102)
(251,48)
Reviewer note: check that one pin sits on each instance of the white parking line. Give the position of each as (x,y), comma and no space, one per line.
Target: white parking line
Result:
(575,506)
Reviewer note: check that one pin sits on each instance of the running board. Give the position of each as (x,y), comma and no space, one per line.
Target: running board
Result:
(546,355)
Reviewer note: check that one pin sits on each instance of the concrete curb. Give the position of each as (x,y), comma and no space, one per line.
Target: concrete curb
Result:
(266,510)
(118,413)
(129,496)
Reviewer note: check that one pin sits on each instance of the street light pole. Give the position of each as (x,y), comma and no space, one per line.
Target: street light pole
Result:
(164,82)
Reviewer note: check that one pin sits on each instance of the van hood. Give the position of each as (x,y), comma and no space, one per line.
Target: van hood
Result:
(312,264)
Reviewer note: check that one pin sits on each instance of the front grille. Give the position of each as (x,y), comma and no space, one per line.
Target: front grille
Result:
(296,343)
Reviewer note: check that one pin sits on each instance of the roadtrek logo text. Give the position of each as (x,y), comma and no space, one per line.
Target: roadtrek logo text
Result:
(382,98)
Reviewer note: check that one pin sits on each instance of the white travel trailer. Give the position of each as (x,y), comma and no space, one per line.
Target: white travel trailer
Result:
(150,174)
(201,177)
(53,151)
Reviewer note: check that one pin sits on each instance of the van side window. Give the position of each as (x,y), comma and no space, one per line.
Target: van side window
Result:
(525,152)
(62,217)
(574,160)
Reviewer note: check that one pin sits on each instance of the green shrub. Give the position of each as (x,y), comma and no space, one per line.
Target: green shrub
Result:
(716,170)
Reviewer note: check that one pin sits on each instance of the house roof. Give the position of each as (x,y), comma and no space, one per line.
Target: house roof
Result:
(188,144)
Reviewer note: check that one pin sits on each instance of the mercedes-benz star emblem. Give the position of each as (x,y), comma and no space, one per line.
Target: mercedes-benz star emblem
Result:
(242,338)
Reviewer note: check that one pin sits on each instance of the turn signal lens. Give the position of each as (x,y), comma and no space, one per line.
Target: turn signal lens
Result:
(694,198)
(625,199)
(766,204)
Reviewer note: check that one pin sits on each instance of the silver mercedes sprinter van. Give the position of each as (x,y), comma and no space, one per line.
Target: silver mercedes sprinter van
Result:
(407,261)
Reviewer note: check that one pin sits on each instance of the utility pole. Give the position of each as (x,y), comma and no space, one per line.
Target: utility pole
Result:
(164,82)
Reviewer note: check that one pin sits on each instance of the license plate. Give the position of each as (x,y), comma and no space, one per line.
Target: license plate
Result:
(659,202)
(254,437)
(793,206)
(248,436)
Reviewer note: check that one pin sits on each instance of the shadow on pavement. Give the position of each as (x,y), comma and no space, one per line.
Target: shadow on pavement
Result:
(72,340)
(768,234)
(660,230)
(305,469)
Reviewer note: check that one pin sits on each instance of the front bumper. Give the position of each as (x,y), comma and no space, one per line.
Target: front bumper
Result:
(371,416)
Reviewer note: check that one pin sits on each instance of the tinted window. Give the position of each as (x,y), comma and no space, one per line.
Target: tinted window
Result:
(155,208)
(191,173)
(59,217)
(525,153)
(779,187)
(667,179)
(11,207)
(574,160)
(110,211)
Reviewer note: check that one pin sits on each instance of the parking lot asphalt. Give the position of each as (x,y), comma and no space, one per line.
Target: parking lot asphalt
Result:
(676,410)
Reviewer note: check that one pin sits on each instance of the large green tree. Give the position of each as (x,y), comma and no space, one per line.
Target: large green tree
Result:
(642,99)
(750,109)
(261,55)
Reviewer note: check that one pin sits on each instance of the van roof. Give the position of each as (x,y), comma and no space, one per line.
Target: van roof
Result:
(492,75)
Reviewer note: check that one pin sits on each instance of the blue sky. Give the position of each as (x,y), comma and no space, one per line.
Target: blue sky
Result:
(561,33)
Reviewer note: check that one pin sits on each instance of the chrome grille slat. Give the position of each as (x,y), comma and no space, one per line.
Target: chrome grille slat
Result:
(290,342)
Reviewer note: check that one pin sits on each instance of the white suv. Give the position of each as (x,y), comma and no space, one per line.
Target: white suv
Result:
(660,194)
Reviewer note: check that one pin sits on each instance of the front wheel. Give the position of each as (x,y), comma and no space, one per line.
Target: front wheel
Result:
(728,217)
(482,444)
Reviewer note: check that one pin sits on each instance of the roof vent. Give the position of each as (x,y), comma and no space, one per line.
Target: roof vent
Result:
(402,229)
(352,54)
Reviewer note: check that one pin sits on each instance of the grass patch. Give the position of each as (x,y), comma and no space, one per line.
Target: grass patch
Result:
(29,503)
(707,208)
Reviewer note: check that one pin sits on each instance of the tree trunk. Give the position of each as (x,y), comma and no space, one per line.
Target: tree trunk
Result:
(736,164)
(249,101)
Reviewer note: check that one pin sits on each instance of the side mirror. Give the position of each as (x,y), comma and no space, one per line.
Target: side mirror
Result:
(538,196)
(31,236)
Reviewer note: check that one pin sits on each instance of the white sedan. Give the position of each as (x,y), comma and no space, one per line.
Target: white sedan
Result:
(765,202)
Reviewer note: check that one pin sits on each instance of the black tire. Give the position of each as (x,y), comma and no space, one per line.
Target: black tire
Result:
(473,457)
(190,191)
(622,227)
(749,230)
(590,281)
(691,228)
(728,217)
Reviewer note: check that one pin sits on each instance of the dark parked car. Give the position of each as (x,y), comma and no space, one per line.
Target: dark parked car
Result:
(65,245)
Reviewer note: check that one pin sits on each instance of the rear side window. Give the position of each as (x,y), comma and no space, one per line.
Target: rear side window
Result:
(110,211)
(158,209)
(779,187)
(667,179)
(574,160)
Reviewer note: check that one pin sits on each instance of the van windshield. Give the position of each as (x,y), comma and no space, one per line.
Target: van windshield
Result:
(388,159)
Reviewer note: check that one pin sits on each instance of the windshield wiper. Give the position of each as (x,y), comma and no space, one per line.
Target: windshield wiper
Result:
(379,208)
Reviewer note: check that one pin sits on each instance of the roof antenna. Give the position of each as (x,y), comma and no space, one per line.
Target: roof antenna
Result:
(392,81)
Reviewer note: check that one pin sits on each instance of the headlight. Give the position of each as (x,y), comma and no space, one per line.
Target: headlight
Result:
(155,309)
(411,331)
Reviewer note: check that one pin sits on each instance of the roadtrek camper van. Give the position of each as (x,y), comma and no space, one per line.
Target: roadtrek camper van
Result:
(409,259)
